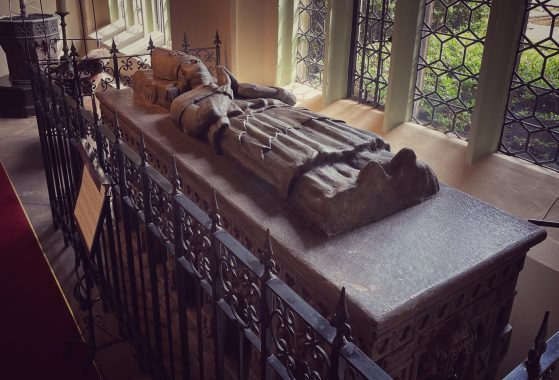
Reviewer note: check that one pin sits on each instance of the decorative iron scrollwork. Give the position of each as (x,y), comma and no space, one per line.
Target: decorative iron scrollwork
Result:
(130,64)
(282,320)
(297,344)
(133,182)
(161,210)
(241,290)
(196,244)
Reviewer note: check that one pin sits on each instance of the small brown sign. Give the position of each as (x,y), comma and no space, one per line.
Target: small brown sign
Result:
(89,206)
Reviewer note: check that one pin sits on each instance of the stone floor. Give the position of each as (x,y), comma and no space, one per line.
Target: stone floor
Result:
(20,152)
(517,187)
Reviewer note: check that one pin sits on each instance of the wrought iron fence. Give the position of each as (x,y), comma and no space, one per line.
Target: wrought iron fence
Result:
(188,296)
(83,77)
(531,122)
(192,300)
(451,48)
(311,42)
(371,44)
(542,358)
(209,55)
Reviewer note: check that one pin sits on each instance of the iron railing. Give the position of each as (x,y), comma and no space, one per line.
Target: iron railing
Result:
(542,358)
(192,300)
(189,297)
(531,122)
(83,77)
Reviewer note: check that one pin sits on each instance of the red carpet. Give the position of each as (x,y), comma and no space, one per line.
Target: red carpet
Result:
(35,322)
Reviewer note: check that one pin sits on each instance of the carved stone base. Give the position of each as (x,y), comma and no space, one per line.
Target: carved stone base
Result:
(15,100)
(432,286)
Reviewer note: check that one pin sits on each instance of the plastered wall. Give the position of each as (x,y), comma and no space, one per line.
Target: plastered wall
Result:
(248,30)
(200,20)
(256,40)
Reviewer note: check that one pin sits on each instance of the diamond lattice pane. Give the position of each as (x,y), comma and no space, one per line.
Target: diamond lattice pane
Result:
(311,42)
(531,125)
(371,59)
(451,49)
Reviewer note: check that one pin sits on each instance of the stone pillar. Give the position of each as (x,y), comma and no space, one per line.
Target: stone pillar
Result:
(287,43)
(403,62)
(506,21)
(129,13)
(338,50)
(114,10)
(149,25)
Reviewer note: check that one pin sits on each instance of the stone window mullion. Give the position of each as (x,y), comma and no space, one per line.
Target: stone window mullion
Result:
(406,36)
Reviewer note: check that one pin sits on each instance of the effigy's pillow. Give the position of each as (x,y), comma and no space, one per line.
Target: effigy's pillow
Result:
(165,92)
(194,74)
(142,84)
(166,63)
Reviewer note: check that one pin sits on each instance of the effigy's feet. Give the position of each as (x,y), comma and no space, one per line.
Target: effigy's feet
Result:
(342,196)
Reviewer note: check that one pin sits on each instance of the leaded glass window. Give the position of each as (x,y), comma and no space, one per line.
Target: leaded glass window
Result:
(311,42)
(451,50)
(372,41)
(531,125)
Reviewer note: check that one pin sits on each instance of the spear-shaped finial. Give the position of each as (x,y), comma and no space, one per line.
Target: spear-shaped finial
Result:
(175,179)
(217,41)
(340,321)
(114,49)
(214,214)
(269,264)
(151,46)
(343,333)
(540,346)
(143,153)
(341,315)
(117,130)
(185,44)
(73,50)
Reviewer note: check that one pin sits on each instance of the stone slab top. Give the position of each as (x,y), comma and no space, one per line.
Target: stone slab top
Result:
(392,269)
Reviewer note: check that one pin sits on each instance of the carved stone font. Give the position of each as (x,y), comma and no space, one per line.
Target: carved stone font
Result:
(33,37)
(334,176)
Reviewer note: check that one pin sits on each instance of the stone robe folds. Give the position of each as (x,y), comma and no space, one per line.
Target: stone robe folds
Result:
(334,176)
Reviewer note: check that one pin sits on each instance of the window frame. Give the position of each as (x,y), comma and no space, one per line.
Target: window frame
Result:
(505,25)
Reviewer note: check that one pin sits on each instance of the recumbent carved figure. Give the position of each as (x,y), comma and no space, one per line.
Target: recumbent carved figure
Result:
(334,176)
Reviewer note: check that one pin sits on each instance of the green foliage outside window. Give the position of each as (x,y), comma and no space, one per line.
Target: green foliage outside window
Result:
(451,56)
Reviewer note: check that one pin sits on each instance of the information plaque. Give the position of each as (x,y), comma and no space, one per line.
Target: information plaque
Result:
(89,206)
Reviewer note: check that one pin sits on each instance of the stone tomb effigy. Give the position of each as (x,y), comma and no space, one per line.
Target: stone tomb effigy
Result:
(430,287)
